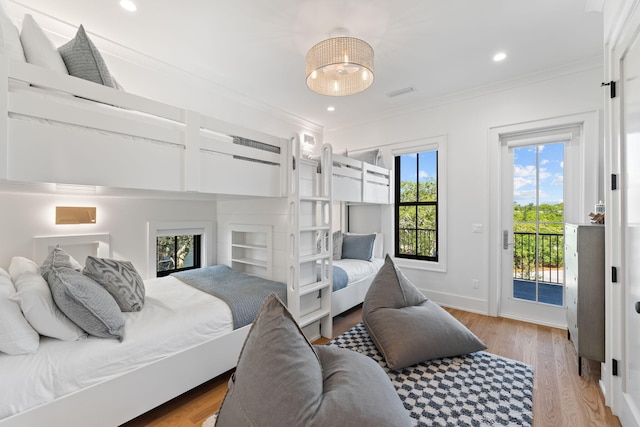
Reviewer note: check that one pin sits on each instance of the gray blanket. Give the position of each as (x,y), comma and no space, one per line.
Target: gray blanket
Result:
(242,292)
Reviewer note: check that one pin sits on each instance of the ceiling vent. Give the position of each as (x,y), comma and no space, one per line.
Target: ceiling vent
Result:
(399,92)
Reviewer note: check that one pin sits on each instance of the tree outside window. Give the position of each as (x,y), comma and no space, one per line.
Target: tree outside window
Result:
(416,205)
(177,253)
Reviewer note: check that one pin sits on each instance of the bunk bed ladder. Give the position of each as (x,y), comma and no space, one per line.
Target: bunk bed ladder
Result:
(310,247)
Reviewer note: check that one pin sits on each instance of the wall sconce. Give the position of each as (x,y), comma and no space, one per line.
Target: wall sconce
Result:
(308,139)
(75,215)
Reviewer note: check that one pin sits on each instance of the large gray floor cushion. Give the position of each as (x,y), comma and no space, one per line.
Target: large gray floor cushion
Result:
(282,380)
(406,327)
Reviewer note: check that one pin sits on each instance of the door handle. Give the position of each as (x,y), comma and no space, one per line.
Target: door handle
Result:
(638,307)
(505,239)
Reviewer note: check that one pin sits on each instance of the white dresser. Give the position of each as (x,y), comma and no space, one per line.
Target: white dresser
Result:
(584,281)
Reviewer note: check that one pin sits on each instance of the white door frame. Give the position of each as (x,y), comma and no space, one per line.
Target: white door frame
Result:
(622,38)
(588,179)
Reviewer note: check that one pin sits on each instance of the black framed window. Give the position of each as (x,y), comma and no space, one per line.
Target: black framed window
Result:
(416,205)
(177,253)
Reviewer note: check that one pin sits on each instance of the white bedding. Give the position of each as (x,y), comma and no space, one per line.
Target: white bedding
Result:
(175,317)
(357,269)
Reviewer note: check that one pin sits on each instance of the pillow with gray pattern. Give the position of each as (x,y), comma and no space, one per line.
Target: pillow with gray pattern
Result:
(120,279)
(83,60)
(86,303)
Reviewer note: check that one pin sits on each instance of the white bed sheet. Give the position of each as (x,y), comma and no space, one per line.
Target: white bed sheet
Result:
(175,317)
(357,269)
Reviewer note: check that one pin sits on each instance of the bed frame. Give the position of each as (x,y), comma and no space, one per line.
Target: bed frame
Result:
(360,182)
(127,396)
(172,149)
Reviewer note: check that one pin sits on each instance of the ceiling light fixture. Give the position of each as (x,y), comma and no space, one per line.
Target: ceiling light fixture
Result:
(340,66)
(499,56)
(128,5)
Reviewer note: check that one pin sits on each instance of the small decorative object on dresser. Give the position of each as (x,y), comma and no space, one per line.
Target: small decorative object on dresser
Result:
(584,280)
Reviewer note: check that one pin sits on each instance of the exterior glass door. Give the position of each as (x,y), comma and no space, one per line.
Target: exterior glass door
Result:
(538,223)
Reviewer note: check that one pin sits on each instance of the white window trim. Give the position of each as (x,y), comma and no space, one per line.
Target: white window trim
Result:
(179,228)
(438,143)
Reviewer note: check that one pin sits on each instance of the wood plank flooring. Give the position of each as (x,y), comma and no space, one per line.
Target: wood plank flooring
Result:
(561,397)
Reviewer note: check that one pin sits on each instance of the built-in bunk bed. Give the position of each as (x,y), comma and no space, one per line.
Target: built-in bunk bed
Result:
(124,141)
(320,256)
(60,130)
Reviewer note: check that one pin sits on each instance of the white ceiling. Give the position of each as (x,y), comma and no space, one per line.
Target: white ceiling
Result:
(438,47)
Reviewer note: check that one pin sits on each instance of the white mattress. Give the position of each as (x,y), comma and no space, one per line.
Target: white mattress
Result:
(175,317)
(357,269)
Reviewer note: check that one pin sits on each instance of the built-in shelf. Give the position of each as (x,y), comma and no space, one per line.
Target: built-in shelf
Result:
(251,249)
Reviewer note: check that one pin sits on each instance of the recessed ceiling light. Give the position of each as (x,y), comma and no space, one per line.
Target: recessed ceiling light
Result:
(128,5)
(499,56)
(331,108)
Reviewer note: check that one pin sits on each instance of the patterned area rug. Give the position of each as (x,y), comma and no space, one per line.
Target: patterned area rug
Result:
(480,389)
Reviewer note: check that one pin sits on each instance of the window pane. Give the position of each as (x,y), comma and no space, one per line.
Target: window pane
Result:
(426,245)
(407,230)
(417,205)
(408,178)
(428,176)
(165,253)
(185,251)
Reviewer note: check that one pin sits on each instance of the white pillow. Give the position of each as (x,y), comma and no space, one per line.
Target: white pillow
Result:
(9,38)
(16,335)
(35,299)
(20,265)
(38,49)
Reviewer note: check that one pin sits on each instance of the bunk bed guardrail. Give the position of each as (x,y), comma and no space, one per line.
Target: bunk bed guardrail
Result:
(81,130)
(360,182)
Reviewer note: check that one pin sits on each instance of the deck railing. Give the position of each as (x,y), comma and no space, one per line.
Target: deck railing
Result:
(551,257)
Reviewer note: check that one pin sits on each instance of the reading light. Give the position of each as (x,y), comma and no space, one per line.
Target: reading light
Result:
(75,215)
(340,66)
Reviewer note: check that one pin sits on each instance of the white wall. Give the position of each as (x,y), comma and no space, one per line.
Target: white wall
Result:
(25,215)
(466,124)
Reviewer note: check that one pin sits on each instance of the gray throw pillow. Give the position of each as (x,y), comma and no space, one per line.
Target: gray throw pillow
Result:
(83,60)
(358,246)
(281,380)
(120,279)
(406,327)
(86,303)
(59,258)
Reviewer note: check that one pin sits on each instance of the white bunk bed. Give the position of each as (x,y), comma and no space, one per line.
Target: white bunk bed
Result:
(352,181)
(112,382)
(58,129)
(356,181)
(89,134)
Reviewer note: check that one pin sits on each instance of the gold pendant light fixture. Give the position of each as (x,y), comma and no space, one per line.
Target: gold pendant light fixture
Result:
(340,66)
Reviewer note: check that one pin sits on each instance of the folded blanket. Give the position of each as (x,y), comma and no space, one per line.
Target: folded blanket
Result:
(243,293)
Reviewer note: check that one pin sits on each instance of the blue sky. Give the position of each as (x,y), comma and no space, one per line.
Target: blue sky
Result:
(551,173)
(427,163)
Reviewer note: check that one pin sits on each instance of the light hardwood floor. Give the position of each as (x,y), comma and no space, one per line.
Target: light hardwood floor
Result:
(561,397)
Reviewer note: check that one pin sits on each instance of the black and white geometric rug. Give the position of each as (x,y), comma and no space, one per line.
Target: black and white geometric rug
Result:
(479,389)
